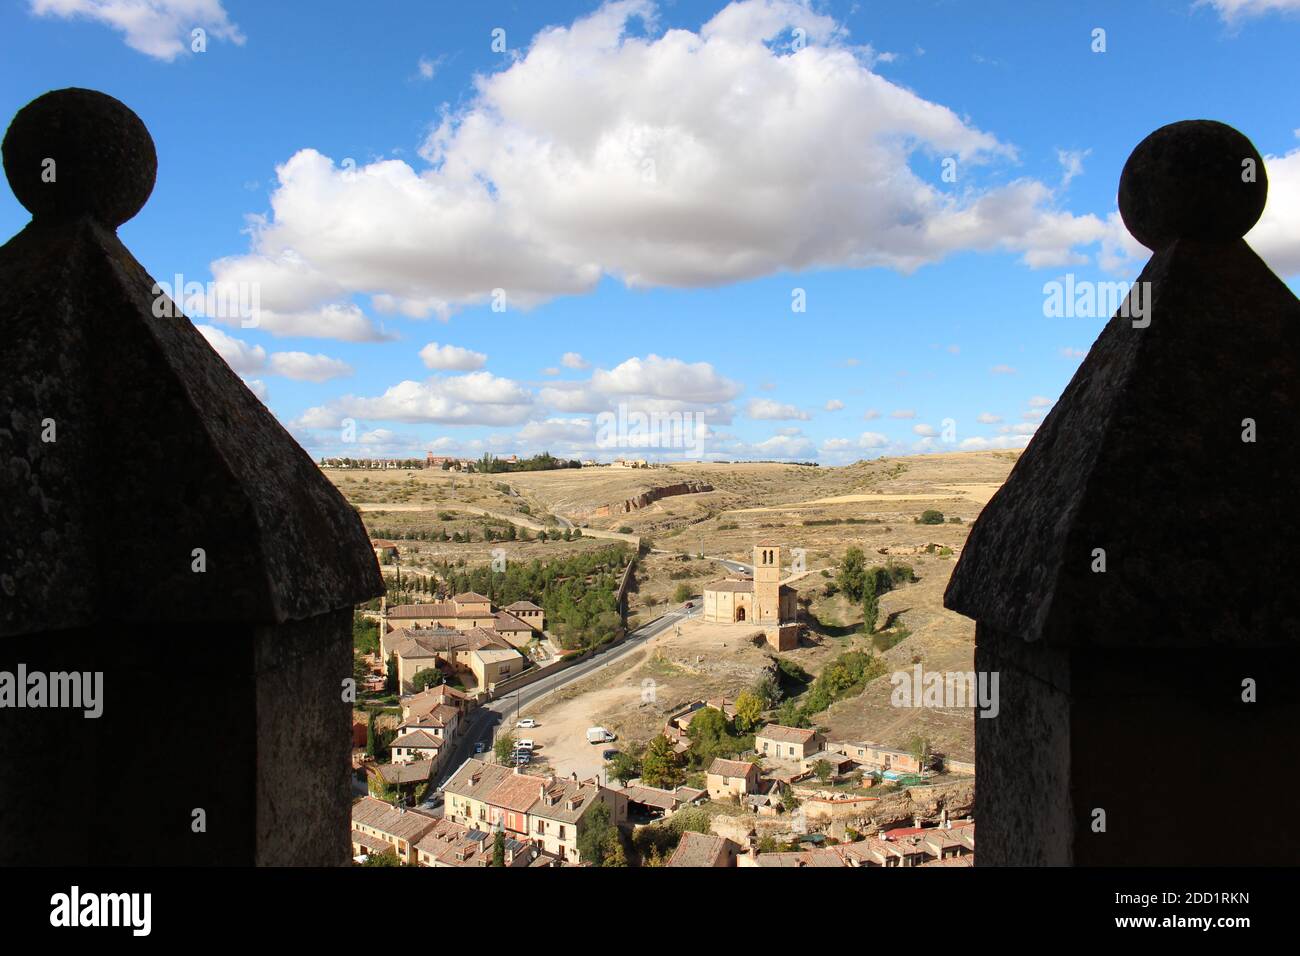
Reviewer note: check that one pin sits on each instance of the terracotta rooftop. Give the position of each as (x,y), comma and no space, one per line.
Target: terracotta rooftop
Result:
(503,621)
(476,779)
(517,791)
(420,739)
(416,771)
(404,825)
(732,768)
(699,849)
(785,735)
(523,606)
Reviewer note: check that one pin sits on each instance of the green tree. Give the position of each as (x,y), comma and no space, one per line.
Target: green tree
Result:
(708,735)
(365,634)
(748,711)
(919,747)
(597,836)
(683,593)
(615,856)
(661,766)
(624,767)
(930,516)
(372,743)
(791,715)
(499,849)
(823,770)
(504,745)
(768,690)
(853,570)
(870,610)
(429,677)
(386,858)
(390,678)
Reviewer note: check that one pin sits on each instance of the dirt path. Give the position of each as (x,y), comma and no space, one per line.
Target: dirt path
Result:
(979,493)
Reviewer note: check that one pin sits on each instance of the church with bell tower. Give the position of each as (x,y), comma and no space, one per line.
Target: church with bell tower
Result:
(758,599)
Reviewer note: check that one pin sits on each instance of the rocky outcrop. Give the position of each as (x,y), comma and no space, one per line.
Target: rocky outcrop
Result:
(903,808)
(649,497)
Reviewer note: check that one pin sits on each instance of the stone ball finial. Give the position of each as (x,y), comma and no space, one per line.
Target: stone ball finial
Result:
(1197,179)
(73,153)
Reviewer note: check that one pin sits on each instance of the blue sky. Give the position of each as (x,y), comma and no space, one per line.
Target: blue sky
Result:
(649,189)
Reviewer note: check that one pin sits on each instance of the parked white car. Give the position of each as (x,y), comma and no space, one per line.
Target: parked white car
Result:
(527,723)
(523,745)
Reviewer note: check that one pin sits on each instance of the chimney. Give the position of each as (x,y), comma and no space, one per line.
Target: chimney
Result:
(205,517)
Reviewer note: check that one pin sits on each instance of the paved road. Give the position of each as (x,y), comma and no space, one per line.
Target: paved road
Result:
(503,713)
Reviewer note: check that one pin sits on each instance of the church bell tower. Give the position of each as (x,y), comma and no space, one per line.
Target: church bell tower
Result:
(767,583)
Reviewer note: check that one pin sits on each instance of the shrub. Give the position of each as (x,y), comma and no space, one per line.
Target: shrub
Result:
(930,516)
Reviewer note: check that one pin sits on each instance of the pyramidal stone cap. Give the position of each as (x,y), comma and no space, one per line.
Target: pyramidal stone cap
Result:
(1170,454)
(130,453)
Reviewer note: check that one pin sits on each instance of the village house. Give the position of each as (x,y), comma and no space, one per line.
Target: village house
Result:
(427,701)
(556,818)
(824,857)
(416,745)
(527,612)
(789,744)
(378,827)
(542,810)
(418,649)
(453,844)
(405,778)
(731,779)
(875,851)
(871,756)
(837,762)
(653,803)
(385,551)
(519,623)
(952,841)
(703,850)
(439,721)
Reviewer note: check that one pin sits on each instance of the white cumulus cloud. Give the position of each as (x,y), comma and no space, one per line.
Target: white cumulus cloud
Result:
(764,409)
(661,158)
(451,358)
(158,28)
